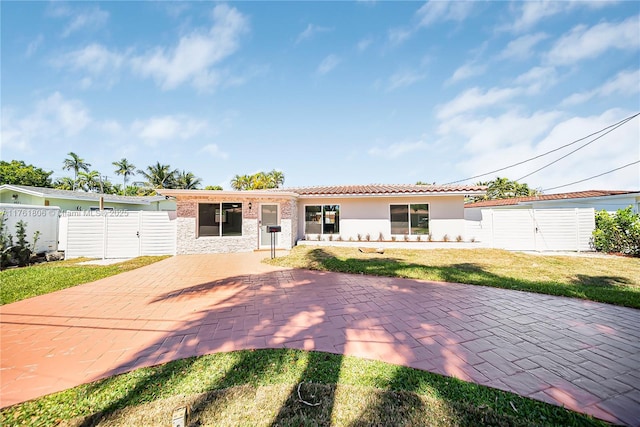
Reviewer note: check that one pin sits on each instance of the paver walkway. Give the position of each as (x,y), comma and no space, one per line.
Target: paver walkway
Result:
(583,355)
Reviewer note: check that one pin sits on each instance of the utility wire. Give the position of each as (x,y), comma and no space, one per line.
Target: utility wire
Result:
(592,177)
(571,152)
(548,152)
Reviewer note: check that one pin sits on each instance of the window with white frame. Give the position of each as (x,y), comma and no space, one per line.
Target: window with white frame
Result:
(220,219)
(322,219)
(411,219)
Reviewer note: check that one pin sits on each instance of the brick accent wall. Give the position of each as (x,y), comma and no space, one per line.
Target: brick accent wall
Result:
(187,211)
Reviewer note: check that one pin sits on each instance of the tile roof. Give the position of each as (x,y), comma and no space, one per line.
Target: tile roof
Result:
(81,195)
(546,197)
(385,189)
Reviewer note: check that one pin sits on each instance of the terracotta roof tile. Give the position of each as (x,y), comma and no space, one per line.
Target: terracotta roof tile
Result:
(385,189)
(544,197)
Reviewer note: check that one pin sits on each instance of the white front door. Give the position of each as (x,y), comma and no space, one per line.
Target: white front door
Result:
(268,216)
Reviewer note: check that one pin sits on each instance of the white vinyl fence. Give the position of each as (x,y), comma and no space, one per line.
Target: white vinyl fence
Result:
(119,234)
(567,229)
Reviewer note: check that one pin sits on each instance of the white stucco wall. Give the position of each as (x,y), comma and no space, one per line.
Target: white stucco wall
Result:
(370,215)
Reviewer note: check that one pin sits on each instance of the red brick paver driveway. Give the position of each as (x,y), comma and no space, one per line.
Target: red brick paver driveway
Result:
(583,355)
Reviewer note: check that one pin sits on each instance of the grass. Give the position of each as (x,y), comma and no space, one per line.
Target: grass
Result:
(260,388)
(27,282)
(613,279)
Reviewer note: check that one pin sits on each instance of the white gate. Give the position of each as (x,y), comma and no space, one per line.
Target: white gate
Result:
(567,229)
(120,234)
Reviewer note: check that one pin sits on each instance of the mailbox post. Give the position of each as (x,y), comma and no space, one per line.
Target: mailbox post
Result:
(273,229)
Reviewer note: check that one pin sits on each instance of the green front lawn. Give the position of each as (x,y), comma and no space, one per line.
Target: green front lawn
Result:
(27,282)
(611,279)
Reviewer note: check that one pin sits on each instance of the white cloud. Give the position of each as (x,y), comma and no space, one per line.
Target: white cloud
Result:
(495,142)
(33,46)
(311,31)
(439,11)
(475,98)
(404,78)
(625,83)
(521,48)
(52,119)
(398,149)
(328,63)
(94,58)
(535,11)
(584,42)
(432,12)
(193,58)
(87,18)
(167,128)
(214,151)
(466,71)
(364,44)
(537,79)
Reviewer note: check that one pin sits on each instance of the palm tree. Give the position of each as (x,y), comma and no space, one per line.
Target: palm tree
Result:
(159,176)
(125,169)
(89,181)
(77,164)
(277,178)
(241,182)
(187,181)
(64,183)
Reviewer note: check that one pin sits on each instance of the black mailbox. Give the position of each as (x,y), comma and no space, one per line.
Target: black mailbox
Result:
(274,229)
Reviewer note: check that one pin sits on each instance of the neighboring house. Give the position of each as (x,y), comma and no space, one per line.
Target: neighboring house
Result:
(610,201)
(235,221)
(548,222)
(68,200)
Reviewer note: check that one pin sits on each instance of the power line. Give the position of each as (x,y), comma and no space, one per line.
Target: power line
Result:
(592,177)
(621,122)
(571,152)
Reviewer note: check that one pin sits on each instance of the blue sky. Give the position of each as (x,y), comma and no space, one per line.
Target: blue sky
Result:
(327,92)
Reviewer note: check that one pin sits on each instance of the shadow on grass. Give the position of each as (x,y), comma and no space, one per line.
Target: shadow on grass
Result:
(608,289)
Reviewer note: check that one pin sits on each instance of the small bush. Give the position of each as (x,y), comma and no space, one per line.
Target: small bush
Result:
(318,237)
(339,238)
(473,239)
(446,238)
(618,233)
(359,237)
(368,237)
(380,237)
(418,238)
(458,238)
(430,237)
(406,237)
(393,238)
(331,237)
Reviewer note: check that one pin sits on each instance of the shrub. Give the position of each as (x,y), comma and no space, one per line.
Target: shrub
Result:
(406,237)
(339,238)
(380,237)
(368,237)
(393,238)
(359,237)
(618,233)
(430,237)
(419,238)
(331,237)
(458,238)
(446,238)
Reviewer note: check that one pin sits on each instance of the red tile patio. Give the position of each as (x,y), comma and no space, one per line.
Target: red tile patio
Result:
(583,355)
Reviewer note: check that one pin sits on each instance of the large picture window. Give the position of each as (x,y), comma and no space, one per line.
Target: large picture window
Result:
(220,219)
(322,219)
(411,219)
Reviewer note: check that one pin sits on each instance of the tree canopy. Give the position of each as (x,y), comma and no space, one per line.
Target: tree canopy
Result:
(504,188)
(17,172)
(258,181)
